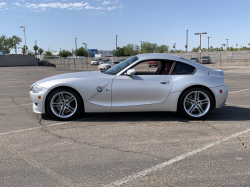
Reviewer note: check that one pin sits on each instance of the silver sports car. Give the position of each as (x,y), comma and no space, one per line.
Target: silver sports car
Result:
(177,85)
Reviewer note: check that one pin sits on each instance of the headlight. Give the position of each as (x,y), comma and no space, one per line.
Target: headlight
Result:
(36,89)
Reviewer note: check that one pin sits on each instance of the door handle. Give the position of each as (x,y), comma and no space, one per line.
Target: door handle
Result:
(164,82)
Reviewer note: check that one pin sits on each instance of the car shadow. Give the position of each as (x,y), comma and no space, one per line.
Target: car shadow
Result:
(227,113)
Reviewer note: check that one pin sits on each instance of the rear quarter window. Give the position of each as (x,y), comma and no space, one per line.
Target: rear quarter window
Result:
(183,69)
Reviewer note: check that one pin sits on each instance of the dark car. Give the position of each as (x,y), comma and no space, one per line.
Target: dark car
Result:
(195,59)
(103,61)
(205,60)
(153,63)
(46,63)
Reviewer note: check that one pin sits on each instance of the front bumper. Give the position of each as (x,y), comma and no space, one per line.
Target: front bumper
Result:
(39,104)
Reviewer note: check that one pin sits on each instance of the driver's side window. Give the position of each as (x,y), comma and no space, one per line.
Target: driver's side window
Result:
(154,67)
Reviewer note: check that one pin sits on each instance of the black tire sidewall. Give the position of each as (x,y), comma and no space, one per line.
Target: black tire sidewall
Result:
(185,93)
(79,104)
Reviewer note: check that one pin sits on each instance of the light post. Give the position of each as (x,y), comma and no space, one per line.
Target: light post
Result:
(141,46)
(174,46)
(208,43)
(23,27)
(227,43)
(116,47)
(187,42)
(76,46)
(85,48)
(237,47)
(200,41)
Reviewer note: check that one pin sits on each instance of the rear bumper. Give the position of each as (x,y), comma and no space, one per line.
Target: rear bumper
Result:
(220,98)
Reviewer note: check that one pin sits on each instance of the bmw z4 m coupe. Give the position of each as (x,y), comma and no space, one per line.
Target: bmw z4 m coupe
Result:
(178,84)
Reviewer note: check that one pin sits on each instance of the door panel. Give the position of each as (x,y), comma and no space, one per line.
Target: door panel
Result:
(140,89)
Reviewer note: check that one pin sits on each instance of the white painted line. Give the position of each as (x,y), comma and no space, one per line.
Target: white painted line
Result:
(240,90)
(172,161)
(15,105)
(13,93)
(55,124)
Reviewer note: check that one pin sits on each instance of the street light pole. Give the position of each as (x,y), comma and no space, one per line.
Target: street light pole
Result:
(76,46)
(187,42)
(174,46)
(116,47)
(227,43)
(23,27)
(200,41)
(141,46)
(208,43)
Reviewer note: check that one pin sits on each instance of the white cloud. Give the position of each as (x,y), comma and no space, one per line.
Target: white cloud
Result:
(69,6)
(17,4)
(106,2)
(3,6)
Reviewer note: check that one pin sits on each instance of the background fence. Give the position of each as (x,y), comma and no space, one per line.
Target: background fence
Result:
(219,59)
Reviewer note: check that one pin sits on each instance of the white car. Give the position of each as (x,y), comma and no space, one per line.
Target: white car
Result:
(177,85)
(106,65)
(95,62)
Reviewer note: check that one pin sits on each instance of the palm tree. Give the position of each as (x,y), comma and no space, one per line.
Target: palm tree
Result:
(40,51)
(35,48)
(24,50)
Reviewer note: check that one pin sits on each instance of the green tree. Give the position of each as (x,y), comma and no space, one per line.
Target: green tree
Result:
(35,47)
(23,49)
(162,49)
(47,54)
(65,53)
(119,52)
(196,49)
(80,52)
(137,49)
(7,44)
(129,49)
(148,47)
(40,51)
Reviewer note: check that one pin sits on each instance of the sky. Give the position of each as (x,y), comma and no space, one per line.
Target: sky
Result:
(55,24)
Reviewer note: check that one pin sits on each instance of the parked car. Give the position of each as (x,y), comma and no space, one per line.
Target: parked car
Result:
(205,60)
(178,85)
(106,65)
(153,63)
(46,63)
(121,60)
(103,61)
(195,59)
(95,61)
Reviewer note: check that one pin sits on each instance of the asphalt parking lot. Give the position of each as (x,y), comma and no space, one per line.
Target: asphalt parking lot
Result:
(128,149)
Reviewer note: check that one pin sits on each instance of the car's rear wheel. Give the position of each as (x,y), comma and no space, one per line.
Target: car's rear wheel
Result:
(196,103)
(64,104)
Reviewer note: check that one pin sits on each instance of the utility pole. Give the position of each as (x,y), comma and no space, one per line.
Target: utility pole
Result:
(23,27)
(200,41)
(116,47)
(187,42)
(227,43)
(208,43)
(174,46)
(141,46)
(76,46)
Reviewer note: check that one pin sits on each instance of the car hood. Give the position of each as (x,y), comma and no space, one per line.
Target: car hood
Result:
(69,78)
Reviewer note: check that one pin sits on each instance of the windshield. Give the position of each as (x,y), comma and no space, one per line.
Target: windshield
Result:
(193,58)
(204,57)
(119,67)
(109,62)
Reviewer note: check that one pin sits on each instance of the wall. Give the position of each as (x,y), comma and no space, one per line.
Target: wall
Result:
(18,60)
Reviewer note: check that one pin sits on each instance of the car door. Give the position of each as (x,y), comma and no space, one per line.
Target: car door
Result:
(140,89)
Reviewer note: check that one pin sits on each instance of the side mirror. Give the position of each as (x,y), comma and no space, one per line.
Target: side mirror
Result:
(130,72)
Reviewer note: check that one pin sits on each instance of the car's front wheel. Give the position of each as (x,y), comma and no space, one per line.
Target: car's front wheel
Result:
(64,104)
(196,103)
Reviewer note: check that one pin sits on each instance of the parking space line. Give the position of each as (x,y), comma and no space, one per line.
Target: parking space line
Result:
(15,105)
(172,161)
(240,90)
(55,124)
(42,168)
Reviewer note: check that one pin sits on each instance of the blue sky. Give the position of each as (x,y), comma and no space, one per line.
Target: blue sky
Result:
(56,23)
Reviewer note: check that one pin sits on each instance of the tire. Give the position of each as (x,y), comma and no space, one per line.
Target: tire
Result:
(64,104)
(196,109)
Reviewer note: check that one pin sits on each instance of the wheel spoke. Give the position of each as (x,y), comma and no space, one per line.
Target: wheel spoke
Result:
(61,97)
(189,101)
(200,109)
(204,101)
(196,95)
(70,99)
(56,105)
(62,111)
(71,109)
(191,109)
